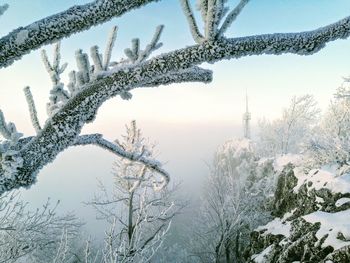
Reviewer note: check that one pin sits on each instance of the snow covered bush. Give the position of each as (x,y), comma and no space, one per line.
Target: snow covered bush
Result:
(70,107)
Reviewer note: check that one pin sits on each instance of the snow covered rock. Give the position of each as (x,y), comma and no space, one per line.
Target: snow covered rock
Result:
(312,219)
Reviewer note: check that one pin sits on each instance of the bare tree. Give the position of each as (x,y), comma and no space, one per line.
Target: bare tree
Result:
(138,214)
(22,158)
(234,203)
(288,133)
(32,235)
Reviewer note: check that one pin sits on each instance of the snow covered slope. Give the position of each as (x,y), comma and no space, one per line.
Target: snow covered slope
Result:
(312,218)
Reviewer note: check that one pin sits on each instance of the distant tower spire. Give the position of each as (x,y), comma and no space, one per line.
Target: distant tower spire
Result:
(246,119)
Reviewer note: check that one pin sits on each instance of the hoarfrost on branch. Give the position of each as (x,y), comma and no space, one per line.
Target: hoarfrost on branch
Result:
(71,107)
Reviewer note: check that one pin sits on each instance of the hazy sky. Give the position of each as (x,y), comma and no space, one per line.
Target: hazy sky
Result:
(188,120)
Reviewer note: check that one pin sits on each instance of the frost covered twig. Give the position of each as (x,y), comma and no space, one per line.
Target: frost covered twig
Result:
(110,44)
(10,159)
(103,63)
(58,95)
(213,12)
(4,129)
(32,109)
(196,34)
(231,17)
(135,55)
(53,28)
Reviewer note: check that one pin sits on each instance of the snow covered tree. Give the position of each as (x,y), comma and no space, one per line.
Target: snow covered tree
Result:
(235,201)
(288,133)
(139,214)
(73,105)
(330,142)
(33,236)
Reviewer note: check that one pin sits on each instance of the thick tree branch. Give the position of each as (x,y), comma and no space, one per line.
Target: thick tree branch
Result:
(48,30)
(62,129)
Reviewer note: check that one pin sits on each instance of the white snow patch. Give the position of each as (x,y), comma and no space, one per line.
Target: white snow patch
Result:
(289,214)
(319,199)
(342,201)
(323,179)
(21,37)
(262,257)
(283,160)
(332,224)
(278,226)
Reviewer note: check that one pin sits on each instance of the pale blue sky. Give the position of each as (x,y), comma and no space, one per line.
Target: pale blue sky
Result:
(188,120)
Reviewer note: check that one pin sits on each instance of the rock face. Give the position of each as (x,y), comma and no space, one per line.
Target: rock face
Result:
(312,219)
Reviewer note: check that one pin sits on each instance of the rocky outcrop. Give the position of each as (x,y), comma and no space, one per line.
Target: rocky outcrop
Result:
(312,219)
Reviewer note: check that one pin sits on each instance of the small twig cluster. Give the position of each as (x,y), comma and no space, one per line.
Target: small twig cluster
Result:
(216,17)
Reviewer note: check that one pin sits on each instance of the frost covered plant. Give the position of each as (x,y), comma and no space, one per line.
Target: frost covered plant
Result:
(94,82)
(10,160)
(58,96)
(32,236)
(139,216)
(288,133)
(331,140)
(234,202)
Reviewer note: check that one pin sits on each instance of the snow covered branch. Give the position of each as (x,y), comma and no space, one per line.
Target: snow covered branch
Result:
(80,107)
(50,29)
(98,140)
(62,129)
